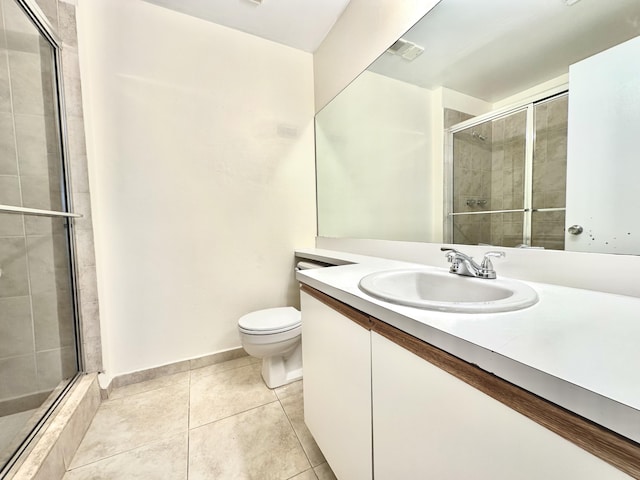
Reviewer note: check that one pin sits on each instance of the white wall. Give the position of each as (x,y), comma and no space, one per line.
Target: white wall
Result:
(202,177)
(365,175)
(365,29)
(548,88)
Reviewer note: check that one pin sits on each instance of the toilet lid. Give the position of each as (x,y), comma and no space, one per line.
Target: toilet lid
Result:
(271,320)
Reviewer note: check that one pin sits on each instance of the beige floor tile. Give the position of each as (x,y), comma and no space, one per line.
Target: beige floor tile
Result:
(226,393)
(132,421)
(163,460)
(308,475)
(324,472)
(289,390)
(255,445)
(294,408)
(221,367)
(141,387)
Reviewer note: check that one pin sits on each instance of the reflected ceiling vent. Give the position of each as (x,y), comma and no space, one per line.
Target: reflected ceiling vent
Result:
(405,49)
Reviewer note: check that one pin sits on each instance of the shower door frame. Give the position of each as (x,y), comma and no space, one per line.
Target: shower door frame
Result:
(528,106)
(44,27)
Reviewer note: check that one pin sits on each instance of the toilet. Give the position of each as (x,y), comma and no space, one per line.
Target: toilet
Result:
(274,335)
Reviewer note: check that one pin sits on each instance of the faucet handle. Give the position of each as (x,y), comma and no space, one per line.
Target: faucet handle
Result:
(453,257)
(487,266)
(450,253)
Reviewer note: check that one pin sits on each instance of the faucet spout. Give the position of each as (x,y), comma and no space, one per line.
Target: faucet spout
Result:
(462,264)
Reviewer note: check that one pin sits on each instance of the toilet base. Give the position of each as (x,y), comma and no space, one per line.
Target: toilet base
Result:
(281,370)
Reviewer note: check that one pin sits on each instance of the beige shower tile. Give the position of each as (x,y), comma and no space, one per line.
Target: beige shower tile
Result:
(294,408)
(53,319)
(226,393)
(52,465)
(13,261)
(67,24)
(130,422)
(259,444)
(324,472)
(10,427)
(41,191)
(50,9)
(26,82)
(82,409)
(17,376)
(5,94)
(53,366)
(166,460)
(16,328)
(224,366)
(181,378)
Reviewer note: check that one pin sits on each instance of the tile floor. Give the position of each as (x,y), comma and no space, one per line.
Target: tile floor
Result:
(10,427)
(217,422)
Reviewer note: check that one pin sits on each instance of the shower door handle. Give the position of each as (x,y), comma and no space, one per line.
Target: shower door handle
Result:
(575,229)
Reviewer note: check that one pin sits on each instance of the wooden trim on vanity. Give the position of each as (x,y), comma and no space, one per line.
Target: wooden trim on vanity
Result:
(351,313)
(619,451)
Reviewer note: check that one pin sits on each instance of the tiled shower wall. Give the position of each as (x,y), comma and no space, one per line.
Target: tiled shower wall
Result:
(489,167)
(38,350)
(472,179)
(550,172)
(507,186)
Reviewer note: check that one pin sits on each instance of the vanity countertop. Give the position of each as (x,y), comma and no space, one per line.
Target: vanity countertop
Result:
(577,348)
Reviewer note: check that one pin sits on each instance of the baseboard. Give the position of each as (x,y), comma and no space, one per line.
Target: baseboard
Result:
(172,368)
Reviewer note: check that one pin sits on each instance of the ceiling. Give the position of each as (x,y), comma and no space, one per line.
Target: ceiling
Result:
(496,48)
(301,24)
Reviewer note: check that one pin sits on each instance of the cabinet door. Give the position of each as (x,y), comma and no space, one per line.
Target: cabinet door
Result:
(429,424)
(336,356)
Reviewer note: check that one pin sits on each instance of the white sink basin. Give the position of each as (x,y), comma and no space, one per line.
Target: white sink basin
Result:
(444,291)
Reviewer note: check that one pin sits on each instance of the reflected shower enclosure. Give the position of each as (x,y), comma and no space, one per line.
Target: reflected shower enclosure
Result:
(38,348)
(508,176)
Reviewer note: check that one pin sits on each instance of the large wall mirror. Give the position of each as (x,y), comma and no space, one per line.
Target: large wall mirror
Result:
(497,122)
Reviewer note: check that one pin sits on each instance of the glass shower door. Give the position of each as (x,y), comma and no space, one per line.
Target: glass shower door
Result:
(507,177)
(38,348)
(488,172)
(550,173)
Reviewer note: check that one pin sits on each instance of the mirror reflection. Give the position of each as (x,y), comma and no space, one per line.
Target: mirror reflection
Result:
(501,123)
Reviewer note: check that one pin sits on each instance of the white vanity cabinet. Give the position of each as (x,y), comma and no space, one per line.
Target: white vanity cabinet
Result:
(337,386)
(383,404)
(429,424)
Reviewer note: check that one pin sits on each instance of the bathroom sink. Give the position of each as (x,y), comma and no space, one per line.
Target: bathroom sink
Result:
(447,292)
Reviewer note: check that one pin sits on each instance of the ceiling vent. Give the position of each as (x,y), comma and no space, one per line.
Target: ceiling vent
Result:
(405,49)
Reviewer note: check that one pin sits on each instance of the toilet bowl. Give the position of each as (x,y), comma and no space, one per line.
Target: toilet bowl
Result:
(274,335)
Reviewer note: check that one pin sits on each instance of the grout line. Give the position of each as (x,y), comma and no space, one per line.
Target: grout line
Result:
(137,447)
(223,370)
(296,434)
(234,414)
(305,471)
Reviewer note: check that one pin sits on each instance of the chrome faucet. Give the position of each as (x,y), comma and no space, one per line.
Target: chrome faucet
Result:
(462,264)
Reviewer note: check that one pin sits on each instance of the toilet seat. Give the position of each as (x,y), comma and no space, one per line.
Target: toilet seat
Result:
(270,321)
